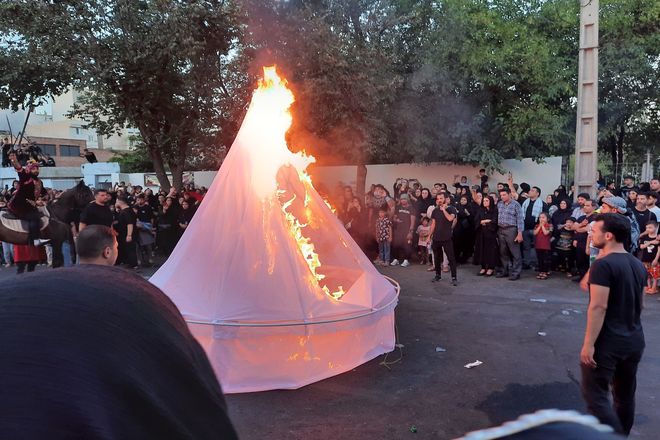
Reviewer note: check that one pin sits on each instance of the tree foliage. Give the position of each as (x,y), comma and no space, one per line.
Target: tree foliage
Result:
(376,81)
(164,67)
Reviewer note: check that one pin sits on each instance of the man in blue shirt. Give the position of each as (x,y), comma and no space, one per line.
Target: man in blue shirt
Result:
(510,224)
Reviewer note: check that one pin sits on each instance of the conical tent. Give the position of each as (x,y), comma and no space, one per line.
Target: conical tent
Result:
(271,284)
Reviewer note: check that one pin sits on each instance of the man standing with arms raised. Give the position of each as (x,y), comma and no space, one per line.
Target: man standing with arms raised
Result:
(614,338)
(510,224)
(442,221)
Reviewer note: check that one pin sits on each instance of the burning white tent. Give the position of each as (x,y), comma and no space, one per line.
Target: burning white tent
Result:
(269,281)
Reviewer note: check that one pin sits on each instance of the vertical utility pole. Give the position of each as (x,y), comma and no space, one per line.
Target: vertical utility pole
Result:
(586,133)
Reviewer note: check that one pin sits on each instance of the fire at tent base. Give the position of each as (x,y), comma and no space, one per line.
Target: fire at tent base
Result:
(262,356)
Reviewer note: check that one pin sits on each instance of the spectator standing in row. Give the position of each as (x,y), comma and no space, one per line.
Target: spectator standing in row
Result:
(486,224)
(614,338)
(542,236)
(641,211)
(532,208)
(97,212)
(125,227)
(404,222)
(648,248)
(145,228)
(628,185)
(383,229)
(510,223)
(442,220)
(424,241)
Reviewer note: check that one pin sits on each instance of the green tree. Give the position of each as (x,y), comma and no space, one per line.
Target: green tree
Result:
(629,83)
(164,67)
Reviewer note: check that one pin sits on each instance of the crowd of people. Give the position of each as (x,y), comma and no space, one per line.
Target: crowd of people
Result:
(146,222)
(504,230)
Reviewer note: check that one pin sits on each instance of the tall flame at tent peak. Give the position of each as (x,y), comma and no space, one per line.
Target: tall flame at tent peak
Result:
(267,120)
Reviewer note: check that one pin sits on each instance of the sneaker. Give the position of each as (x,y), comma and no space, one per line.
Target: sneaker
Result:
(7,264)
(436,279)
(454,282)
(394,262)
(405,263)
(431,269)
(377,261)
(445,269)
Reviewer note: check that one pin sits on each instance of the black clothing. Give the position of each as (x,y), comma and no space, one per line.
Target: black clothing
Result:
(463,234)
(643,217)
(186,215)
(145,213)
(530,221)
(626,276)
(50,162)
(95,214)
(356,224)
(402,222)
(448,247)
(487,234)
(443,227)
(616,369)
(91,157)
(620,343)
(115,360)
(6,148)
(125,218)
(650,251)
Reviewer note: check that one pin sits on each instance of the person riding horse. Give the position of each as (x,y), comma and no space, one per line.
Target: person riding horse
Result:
(26,200)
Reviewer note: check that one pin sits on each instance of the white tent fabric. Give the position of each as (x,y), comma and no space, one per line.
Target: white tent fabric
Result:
(241,281)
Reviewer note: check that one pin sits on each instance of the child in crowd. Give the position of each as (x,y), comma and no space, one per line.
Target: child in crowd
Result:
(542,235)
(424,233)
(384,237)
(648,245)
(565,248)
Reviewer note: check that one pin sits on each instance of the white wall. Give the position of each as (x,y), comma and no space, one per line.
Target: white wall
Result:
(547,175)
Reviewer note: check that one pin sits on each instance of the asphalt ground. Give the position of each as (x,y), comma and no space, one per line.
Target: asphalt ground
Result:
(429,391)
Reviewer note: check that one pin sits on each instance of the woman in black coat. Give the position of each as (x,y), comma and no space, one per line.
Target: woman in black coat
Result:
(486,223)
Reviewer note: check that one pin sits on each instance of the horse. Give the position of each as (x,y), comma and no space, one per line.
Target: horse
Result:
(56,227)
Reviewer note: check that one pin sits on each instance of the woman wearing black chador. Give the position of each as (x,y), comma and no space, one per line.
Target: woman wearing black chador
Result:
(486,225)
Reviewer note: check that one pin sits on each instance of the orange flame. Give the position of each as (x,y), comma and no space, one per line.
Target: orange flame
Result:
(270,119)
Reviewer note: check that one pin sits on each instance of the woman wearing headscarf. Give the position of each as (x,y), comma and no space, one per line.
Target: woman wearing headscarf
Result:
(95,352)
(486,226)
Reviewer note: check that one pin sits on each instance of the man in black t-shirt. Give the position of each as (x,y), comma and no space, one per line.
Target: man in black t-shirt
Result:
(614,338)
(442,222)
(404,222)
(145,223)
(641,211)
(125,228)
(97,212)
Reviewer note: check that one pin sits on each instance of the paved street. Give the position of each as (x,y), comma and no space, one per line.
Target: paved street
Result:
(491,320)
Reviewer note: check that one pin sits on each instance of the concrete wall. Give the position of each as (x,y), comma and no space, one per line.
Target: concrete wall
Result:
(547,175)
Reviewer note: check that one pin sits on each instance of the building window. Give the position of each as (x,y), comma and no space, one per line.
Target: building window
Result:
(48,149)
(69,150)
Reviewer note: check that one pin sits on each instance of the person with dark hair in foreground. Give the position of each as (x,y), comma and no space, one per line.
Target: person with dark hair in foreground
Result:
(97,244)
(614,338)
(99,353)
